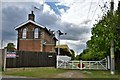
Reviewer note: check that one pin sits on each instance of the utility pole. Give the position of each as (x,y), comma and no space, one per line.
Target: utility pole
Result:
(112,44)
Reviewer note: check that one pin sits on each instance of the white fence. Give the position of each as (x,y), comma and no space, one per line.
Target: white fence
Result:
(98,65)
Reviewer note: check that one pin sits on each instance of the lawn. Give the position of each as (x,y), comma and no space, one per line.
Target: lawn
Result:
(33,72)
(100,74)
(57,73)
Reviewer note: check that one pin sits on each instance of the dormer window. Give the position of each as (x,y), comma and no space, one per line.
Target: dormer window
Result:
(36,33)
(24,34)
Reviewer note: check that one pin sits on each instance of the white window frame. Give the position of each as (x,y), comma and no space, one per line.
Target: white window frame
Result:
(36,33)
(24,33)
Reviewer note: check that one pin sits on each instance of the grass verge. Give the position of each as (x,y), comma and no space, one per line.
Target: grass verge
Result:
(33,72)
(53,72)
(100,74)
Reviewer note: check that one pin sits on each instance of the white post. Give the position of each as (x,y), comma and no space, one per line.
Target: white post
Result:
(112,59)
(58,42)
(64,64)
(59,45)
(72,64)
(58,48)
(81,64)
(108,61)
(89,65)
(4,65)
(57,62)
(97,65)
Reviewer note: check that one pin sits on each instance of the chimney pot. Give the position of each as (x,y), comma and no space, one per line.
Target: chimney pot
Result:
(31,16)
(32,12)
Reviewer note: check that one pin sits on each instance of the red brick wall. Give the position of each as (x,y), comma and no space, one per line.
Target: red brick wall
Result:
(30,31)
(31,44)
(47,37)
(50,41)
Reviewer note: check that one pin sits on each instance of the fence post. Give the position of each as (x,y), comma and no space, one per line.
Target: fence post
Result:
(72,64)
(65,64)
(57,62)
(89,65)
(81,64)
(5,54)
(108,62)
(97,65)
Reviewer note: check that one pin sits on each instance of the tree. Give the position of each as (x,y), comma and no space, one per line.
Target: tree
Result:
(102,34)
(73,54)
(10,47)
(107,29)
(117,41)
(77,57)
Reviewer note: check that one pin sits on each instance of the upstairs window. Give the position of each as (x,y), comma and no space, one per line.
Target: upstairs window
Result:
(36,31)
(24,34)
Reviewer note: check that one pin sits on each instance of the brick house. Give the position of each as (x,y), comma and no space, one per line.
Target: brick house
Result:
(35,37)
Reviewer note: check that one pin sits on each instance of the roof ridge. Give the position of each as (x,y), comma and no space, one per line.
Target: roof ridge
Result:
(27,23)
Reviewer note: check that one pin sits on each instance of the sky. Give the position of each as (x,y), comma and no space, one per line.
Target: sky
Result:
(74,17)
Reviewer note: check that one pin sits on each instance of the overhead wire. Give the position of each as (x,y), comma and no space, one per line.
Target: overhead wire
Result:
(104,3)
(94,13)
(90,24)
(95,10)
(89,9)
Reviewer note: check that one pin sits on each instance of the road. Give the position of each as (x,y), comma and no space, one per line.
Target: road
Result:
(19,78)
(43,79)
(22,79)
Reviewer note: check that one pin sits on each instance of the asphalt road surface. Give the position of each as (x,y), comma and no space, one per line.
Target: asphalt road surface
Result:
(44,79)
(22,79)
(60,79)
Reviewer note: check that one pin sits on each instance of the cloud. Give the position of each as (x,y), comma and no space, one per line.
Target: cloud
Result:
(47,18)
(10,18)
(76,45)
(25,1)
(72,20)
(46,8)
(79,12)
(16,13)
(74,32)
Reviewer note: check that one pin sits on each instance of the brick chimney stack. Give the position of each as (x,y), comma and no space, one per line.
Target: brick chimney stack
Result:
(31,16)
